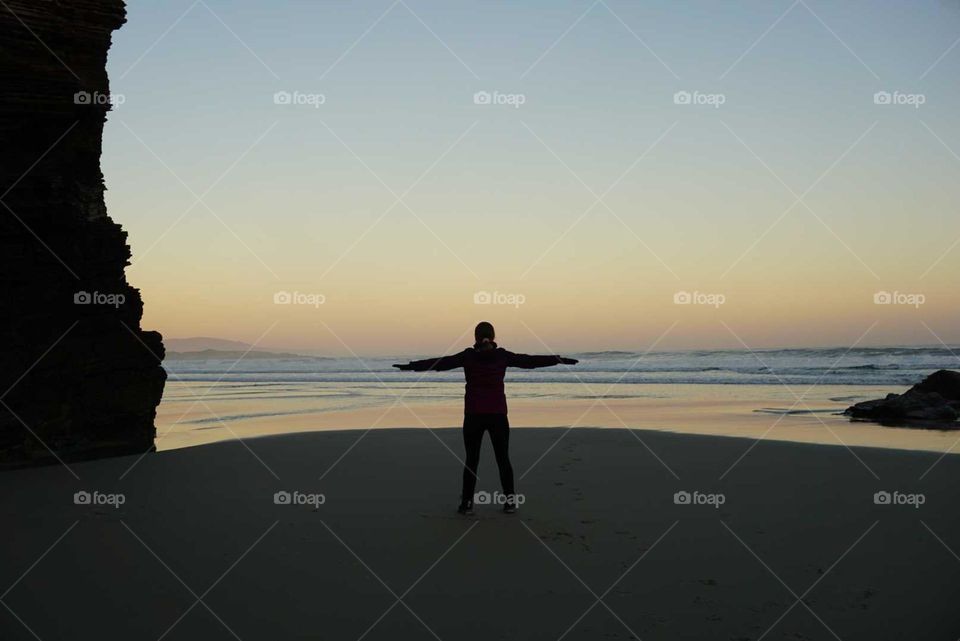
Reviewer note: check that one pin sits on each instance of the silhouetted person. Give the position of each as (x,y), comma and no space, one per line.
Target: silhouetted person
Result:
(485,404)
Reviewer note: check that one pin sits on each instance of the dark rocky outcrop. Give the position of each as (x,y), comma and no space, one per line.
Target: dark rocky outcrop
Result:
(943,382)
(933,402)
(78,377)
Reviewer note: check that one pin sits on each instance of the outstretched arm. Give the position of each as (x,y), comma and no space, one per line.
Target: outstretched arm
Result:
(526,361)
(437,364)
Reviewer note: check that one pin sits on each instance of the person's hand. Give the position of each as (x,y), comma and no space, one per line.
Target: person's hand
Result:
(404,367)
(568,361)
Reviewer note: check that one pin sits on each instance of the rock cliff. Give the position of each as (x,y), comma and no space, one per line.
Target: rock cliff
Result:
(78,377)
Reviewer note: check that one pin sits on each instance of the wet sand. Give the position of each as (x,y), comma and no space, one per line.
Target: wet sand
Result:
(196,415)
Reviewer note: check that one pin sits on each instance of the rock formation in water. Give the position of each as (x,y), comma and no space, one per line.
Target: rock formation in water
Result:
(934,402)
(78,377)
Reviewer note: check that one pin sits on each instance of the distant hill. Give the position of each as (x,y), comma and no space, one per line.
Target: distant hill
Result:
(203,348)
(199,343)
(233,355)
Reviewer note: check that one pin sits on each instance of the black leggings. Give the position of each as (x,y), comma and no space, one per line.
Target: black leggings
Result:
(474,425)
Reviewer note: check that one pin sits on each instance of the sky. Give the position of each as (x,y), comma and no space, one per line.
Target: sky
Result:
(376,177)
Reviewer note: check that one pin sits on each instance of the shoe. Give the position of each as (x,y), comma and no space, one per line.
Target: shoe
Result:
(466,508)
(510,507)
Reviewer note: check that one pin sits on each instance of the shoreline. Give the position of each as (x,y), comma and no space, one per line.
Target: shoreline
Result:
(585,428)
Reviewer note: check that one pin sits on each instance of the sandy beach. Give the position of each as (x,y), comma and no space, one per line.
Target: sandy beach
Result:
(787,541)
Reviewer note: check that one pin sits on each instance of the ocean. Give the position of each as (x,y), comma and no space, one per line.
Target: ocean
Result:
(727,392)
(894,366)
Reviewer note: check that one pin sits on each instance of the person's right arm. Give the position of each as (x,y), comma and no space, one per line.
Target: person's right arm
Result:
(527,361)
(440,364)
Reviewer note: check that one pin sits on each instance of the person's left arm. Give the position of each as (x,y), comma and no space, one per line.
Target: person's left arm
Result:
(440,364)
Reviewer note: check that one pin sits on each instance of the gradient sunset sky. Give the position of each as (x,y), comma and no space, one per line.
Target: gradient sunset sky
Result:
(594,202)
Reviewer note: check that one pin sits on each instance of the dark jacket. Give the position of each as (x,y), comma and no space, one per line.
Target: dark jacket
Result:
(484,367)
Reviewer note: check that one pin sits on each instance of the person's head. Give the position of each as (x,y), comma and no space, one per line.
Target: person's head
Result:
(483,333)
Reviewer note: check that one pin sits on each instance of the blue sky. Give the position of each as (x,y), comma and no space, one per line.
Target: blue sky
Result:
(504,198)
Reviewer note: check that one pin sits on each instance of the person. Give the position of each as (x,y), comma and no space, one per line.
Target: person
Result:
(485,405)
